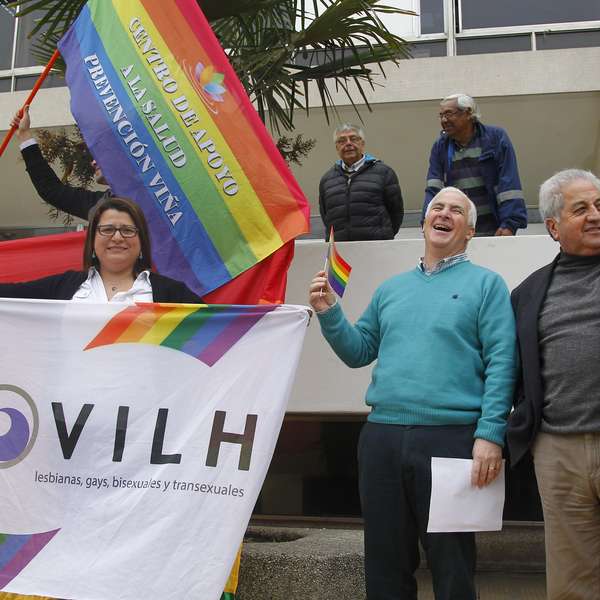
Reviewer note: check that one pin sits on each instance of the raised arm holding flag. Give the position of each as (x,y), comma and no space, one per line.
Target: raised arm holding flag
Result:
(443,339)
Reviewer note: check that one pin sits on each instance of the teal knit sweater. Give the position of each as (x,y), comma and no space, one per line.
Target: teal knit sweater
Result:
(445,346)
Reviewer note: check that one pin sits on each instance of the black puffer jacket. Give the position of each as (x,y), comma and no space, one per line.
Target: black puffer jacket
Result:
(365,205)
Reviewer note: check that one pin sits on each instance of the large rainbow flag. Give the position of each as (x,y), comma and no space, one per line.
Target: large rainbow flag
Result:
(163,112)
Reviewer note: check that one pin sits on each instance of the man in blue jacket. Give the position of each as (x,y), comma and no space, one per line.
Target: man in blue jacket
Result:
(479,160)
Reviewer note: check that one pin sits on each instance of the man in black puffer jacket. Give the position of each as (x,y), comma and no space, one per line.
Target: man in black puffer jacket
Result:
(360,195)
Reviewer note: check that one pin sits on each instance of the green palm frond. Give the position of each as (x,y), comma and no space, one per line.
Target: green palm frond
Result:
(56,16)
(327,42)
(278,48)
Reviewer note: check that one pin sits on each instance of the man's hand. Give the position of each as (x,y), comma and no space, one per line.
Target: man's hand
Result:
(23,124)
(504,231)
(320,294)
(487,462)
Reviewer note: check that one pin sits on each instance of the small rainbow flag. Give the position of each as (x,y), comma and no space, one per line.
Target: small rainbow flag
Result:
(338,270)
(165,115)
(204,332)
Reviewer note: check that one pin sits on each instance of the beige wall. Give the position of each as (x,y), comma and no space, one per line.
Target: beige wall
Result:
(548,101)
(549,132)
(323,383)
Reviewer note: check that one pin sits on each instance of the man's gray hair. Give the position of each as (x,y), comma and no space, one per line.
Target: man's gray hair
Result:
(465,102)
(471,217)
(552,198)
(348,127)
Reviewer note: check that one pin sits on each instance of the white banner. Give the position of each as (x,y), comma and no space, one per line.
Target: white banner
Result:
(134,442)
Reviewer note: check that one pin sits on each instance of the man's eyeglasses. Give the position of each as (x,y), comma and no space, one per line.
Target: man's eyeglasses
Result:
(127,231)
(449,114)
(354,139)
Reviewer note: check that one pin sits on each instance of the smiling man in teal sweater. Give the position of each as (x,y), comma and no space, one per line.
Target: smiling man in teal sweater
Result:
(443,336)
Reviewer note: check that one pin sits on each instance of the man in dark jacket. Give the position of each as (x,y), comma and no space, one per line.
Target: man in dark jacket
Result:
(557,404)
(359,196)
(72,200)
(480,161)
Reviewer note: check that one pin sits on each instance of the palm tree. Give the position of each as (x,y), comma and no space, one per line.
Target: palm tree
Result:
(277,47)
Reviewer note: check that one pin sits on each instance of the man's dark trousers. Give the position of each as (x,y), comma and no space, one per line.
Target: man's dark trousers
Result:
(395,488)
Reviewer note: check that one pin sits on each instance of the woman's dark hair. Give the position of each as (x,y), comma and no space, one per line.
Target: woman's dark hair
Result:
(137,216)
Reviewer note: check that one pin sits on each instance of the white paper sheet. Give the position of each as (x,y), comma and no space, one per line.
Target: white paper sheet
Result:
(458,506)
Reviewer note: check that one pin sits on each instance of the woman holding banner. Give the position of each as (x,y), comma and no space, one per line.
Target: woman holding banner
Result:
(117,262)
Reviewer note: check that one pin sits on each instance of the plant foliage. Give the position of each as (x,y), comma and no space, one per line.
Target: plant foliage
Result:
(295,149)
(277,47)
(71,153)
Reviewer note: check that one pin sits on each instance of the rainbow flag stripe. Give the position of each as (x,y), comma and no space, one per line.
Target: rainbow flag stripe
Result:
(172,127)
(17,551)
(199,330)
(338,271)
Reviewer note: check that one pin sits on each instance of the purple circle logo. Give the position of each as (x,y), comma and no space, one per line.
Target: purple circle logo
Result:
(23,423)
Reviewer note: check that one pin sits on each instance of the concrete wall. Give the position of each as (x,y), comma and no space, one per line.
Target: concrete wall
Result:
(323,383)
(549,101)
(486,75)
(549,132)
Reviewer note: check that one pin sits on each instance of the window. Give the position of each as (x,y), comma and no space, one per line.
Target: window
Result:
(487,45)
(477,14)
(7,29)
(19,68)
(406,26)
(427,49)
(24,55)
(423,32)
(431,13)
(26,82)
(567,39)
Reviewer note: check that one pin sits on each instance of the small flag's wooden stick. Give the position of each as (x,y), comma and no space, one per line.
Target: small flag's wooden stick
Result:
(324,269)
(327,260)
(31,96)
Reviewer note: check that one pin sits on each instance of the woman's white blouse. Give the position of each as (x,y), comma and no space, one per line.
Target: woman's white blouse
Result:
(92,290)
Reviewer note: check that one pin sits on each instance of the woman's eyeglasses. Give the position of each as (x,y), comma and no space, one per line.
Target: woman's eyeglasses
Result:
(127,231)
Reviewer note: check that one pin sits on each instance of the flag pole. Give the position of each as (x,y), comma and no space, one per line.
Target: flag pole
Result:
(31,96)
(326,260)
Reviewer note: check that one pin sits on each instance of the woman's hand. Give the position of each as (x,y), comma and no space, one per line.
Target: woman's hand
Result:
(320,294)
(23,124)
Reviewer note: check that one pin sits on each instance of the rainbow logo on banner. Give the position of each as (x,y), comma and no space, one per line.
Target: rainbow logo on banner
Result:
(17,551)
(338,270)
(209,85)
(163,112)
(204,332)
